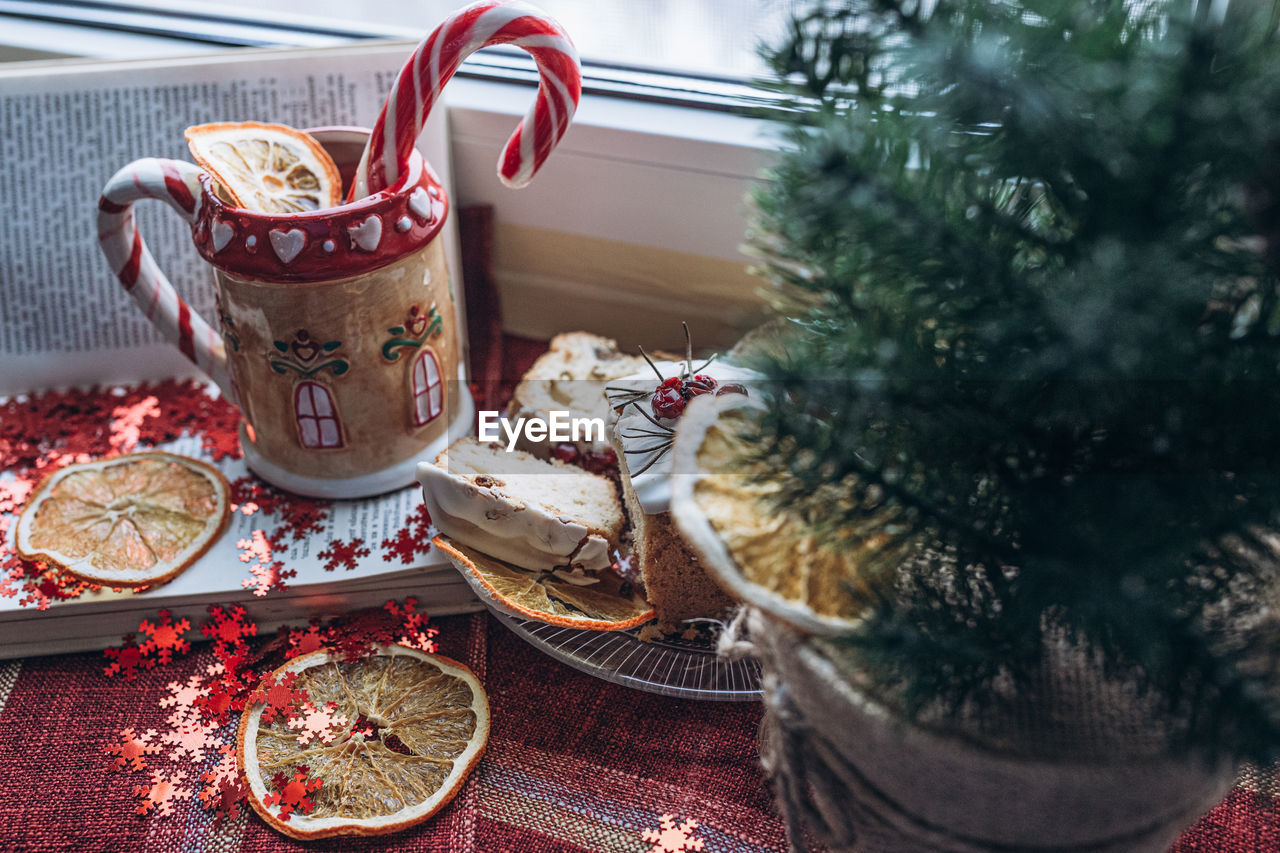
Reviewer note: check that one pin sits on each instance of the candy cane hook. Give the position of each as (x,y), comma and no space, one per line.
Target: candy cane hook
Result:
(422,78)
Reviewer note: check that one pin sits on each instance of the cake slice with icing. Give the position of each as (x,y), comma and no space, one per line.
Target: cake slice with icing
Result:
(646,412)
(537,514)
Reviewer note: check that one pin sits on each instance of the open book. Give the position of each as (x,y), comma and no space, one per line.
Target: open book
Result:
(64,320)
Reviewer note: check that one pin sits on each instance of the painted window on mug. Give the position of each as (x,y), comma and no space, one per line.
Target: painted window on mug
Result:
(318,424)
(428,390)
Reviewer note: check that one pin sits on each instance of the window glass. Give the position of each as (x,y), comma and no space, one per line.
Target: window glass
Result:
(715,38)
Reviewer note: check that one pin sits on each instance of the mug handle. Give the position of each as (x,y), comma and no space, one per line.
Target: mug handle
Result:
(177,184)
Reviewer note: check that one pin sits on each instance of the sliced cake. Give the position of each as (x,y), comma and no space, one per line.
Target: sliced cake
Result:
(646,409)
(570,377)
(529,512)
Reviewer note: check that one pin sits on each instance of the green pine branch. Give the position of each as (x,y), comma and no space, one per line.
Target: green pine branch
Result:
(1028,251)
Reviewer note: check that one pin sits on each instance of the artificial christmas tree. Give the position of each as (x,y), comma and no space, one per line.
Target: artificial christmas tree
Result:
(1025,409)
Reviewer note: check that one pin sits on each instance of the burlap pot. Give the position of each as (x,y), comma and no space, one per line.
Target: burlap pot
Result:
(1076,762)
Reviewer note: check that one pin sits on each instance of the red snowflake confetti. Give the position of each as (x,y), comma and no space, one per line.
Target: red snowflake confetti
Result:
(278,695)
(412,539)
(268,573)
(162,793)
(217,701)
(228,628)
(405,547)
(312,722)
(166,636)
(298,517)
(304,642)
(127,659)
(132,749)
(673,838)
(414,632)
(40,433)
(225,798)
(193,738)
(182,698)
(340,553)
(223,788)
(292,794)
(126,423)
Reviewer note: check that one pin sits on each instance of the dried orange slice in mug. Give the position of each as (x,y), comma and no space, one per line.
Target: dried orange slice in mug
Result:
(268,168)
(608,604)
(399,732)
(131,520)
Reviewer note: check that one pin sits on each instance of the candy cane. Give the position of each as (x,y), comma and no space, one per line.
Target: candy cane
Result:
(177,184)
(423,77)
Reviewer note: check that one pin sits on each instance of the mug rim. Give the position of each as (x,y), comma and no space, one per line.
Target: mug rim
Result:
(331,243)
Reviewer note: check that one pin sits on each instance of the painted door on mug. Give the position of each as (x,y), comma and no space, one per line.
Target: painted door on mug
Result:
(319,426)
(428,390)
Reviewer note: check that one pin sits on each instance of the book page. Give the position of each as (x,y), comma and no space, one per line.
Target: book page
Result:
(64,319)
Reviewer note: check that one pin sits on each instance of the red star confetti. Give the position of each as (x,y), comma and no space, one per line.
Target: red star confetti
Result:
(132,749)
(672,838)
(340,553)
(278,695)
(292,794)
(312,722)
(162,793)
(165,636)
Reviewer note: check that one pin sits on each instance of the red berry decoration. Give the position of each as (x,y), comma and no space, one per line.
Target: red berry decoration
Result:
(668,402)
(698,385)
(732,388)
(599,462)
(565,452)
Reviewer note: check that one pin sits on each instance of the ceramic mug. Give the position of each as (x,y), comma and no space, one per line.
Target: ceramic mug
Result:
(335,334)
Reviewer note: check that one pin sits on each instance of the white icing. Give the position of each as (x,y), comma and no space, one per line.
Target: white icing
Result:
(328,245)
(403,224)
(632,428)
(524,535)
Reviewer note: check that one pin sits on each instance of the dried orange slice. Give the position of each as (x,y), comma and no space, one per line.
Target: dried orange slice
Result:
(269,168)
(609,604)
(409,728)
(128,521)
(762,554)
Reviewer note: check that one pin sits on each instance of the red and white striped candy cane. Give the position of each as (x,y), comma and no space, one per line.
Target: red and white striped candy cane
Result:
(177,184)
(422,78)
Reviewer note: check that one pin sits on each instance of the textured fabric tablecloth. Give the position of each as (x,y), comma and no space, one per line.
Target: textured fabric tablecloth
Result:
(574,764)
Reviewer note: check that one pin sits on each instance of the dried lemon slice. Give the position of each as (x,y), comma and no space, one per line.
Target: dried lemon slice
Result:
(412,725)
(129,521)
(609,604)
(269,168)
